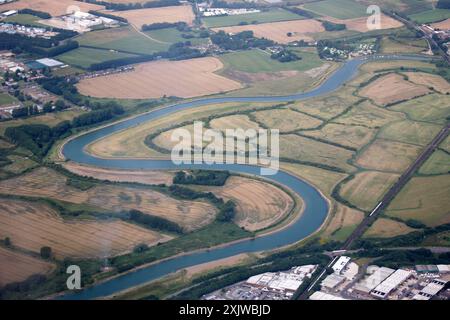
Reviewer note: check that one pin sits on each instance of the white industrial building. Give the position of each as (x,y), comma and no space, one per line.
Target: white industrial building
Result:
(281,281)
(332,281)
(51,63)
(378,275)
(390,283)
(340,264)
(319,295)
(430,290)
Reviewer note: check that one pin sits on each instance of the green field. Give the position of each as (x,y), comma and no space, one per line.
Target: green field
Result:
(431,16)
(254,61)
(84,57)
(6,99)
(438,163)
(123,39)
(339,9)
(172,35)
(273,15)
(26,19)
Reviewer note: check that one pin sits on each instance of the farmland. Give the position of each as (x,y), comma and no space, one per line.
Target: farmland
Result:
(436,82)
(342,223)
(339,9)
(438,163)
(387,228)
(360,24)
(31,226)
(432,108)
(46,183)
(430,16)
(85,57)
(140,17)
(424,199)
(286,120)
(389,45)
(55,8)
(17,267)
(188,78)
(278,31)
(273,15)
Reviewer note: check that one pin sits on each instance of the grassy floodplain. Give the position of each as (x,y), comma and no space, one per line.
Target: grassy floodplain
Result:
(339,9)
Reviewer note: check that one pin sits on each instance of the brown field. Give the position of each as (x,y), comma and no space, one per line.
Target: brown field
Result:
(430,80)
(17,267)
(390,156)
(184,79)
(344,218)
(360,24)
(367,188)
(32,226)
(350,136)
(233,122)
(443,25)
(259,204)
(172,14)
(286,120)
(277,31)
(44,182)
(143,176)
(392,88)
(54,7)
(387,228)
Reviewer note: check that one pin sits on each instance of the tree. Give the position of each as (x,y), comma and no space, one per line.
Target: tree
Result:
(7,241)
(46,252)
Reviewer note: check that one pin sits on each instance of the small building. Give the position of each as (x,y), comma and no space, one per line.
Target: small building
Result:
(390,283)
(9,13)
(340,264)
(51,63)
(432,289)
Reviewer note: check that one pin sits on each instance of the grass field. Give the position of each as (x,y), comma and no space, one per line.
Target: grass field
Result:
(339,9)
(272,15)
(343,222)
(185,79)
(407,131)
(172,35)
(6,99)
(278,31)
(431,16)
(47,183)
(438,163)
(124,39)
(17,267)
(424,199)
(367,188)
(257,61)
(392,46)
(390,156)
(387,228)
(85,57)
(430,80)
(286,120)
(350,136)
(26,19)
(19,164)
(434,108)
(31,226)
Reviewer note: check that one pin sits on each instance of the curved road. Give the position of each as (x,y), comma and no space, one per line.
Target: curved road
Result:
(316,207)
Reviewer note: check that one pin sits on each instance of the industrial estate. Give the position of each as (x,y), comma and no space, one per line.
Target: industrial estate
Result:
(94,96)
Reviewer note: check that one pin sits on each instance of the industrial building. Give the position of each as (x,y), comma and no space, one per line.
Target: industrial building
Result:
(340,264)
(318,295)
(377,276)
(432,289)
(332,281)
(390,283)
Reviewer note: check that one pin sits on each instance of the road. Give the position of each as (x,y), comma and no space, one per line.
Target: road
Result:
(387,198)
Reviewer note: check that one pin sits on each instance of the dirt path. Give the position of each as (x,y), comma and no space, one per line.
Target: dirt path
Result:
(146,35)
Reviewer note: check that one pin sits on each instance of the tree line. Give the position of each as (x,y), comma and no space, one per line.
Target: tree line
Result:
(240,41)
(134,6)
(202,177)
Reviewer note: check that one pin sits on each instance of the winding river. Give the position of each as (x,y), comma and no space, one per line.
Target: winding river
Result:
(315,211)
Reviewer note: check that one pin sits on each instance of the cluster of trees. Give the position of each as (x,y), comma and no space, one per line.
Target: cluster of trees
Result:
(38,138)
(285,56)
(40,14)
(24,112)
(330,26)
(107,112)
(300,12)
(235,5)
(240,41)
(443,4)
(62,87)
(154,222)
(180,26)
(202,177)
(133,6)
